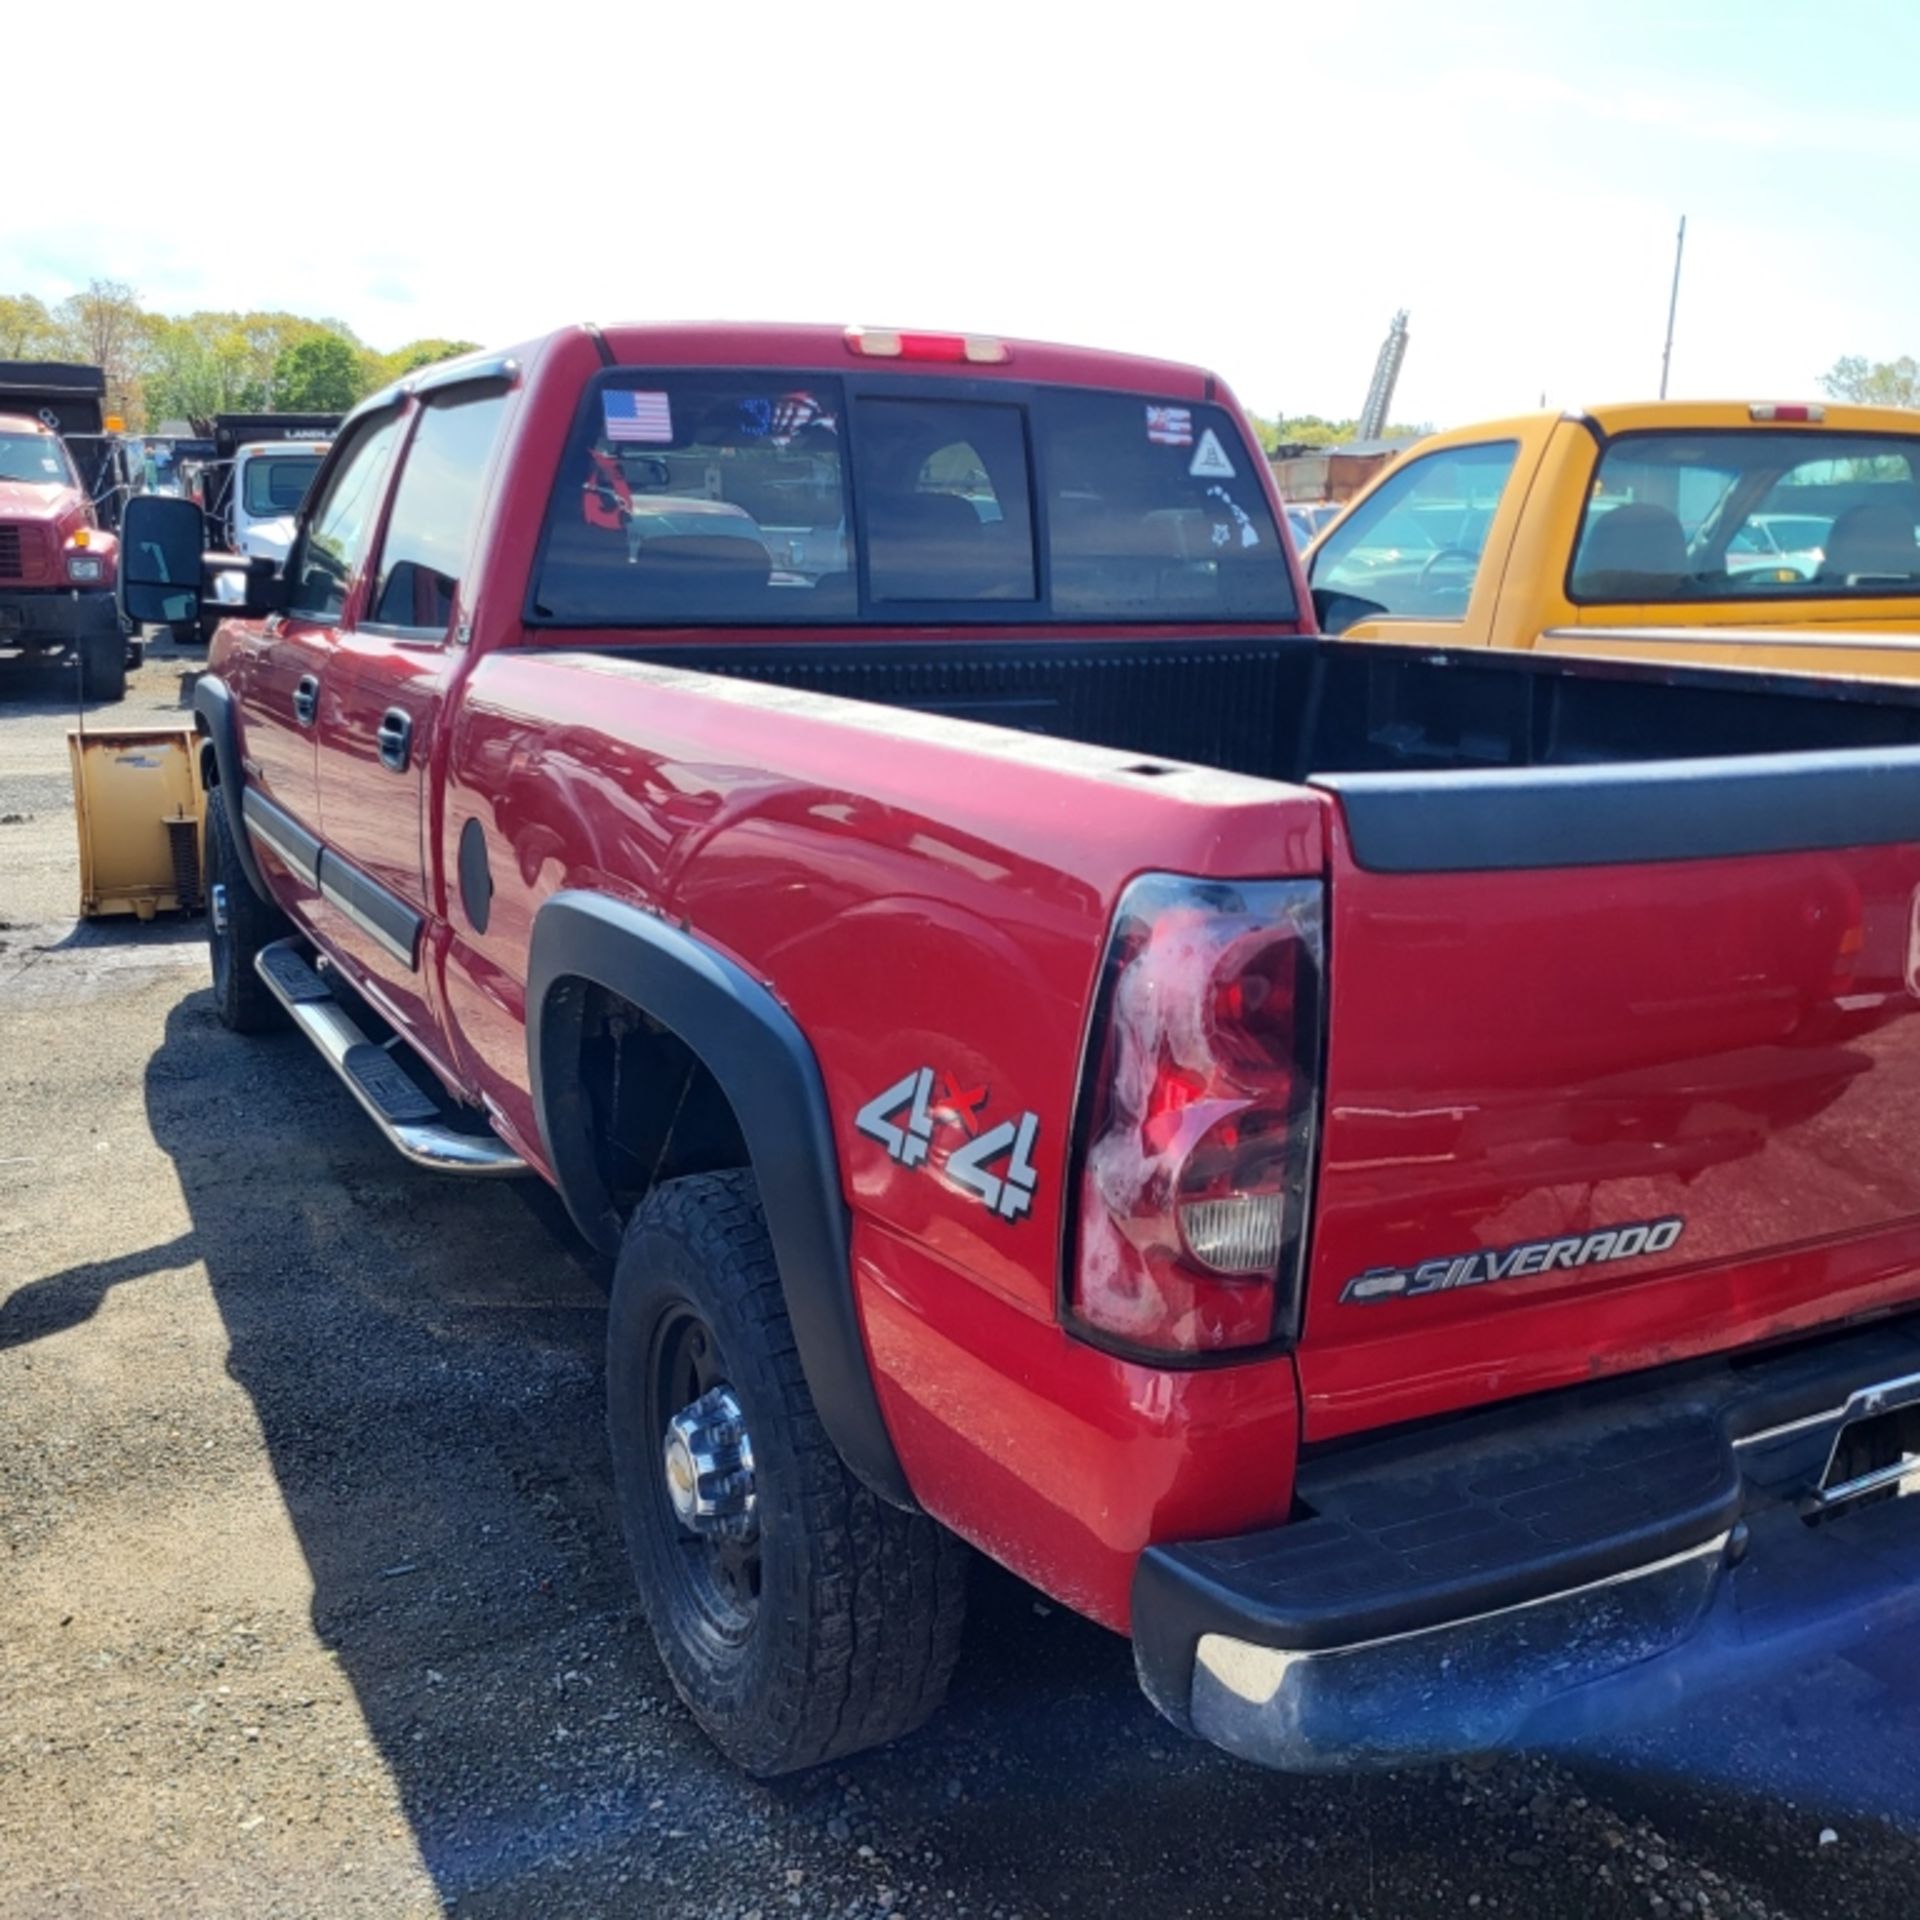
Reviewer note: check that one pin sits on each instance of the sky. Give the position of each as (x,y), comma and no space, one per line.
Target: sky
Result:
(1253,188)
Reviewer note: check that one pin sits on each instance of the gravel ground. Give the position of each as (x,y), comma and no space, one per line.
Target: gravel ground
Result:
(313,1603)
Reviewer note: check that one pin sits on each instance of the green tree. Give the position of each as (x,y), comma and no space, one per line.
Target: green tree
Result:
(1875,383)
(27,331)
(385,367)
(202,364)
(321,373)
(103,325)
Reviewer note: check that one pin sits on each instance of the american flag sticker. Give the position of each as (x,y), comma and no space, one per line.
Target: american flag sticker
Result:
(643,417)
(1170,426)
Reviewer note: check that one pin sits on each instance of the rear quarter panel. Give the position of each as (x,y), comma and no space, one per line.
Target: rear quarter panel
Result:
(919,893)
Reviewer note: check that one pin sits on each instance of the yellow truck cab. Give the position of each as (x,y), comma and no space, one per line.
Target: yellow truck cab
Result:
(1752,535)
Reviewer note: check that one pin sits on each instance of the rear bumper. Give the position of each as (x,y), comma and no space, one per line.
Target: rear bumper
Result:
(1448,1584)
(55,616)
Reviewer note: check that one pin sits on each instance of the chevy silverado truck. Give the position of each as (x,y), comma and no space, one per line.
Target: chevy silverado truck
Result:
(1761,536)
(1381,1173)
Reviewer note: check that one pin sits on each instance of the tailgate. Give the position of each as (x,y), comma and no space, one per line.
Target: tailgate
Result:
(1623,1066)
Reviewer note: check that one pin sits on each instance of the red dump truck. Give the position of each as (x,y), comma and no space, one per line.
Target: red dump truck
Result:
(61,481)
(1380,1173)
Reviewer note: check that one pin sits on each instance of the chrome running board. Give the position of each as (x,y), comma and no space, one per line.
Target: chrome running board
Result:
(409,1119)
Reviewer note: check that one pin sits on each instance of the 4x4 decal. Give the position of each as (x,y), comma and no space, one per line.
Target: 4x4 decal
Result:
(904,1117)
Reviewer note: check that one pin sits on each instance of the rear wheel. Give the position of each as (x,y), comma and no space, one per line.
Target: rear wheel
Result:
(239,924)
(799,1616)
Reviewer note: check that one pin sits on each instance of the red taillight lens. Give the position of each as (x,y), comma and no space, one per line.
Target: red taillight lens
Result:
(1196,1145)
(889,343)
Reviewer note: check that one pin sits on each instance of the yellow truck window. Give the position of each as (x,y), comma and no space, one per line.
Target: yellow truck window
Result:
(1412,548)
(1746,515)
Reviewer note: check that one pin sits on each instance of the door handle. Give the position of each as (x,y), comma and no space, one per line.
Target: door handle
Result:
(306,700)
(396,738)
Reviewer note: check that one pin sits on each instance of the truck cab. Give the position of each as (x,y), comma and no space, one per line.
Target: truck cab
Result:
(270,479)
(1762,535)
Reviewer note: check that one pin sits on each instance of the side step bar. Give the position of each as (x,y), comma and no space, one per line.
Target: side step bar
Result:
(409,1119)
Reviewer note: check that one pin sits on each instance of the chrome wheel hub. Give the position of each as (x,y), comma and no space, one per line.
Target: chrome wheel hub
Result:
(707,1457)
(217,906)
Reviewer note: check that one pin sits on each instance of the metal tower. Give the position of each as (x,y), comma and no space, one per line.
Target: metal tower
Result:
(1386,376)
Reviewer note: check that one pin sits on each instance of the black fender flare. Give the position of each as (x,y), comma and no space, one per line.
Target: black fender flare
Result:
(213,708)
(754,1048)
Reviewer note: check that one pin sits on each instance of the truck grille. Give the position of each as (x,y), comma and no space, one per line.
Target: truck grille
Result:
(23,554)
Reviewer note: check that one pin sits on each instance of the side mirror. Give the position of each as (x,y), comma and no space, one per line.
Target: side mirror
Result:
(244,585)
(1335,612)
(161,538)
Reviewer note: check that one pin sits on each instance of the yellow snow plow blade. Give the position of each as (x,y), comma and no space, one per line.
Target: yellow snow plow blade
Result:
(141,814)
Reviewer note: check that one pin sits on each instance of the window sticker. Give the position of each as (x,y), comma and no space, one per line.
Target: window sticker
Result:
(1249,533)
(1210,460)
(1170,426)
(642,418)
(793,411)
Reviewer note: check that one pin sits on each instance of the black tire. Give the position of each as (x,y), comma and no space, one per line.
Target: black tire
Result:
(846,1633)
(239,924)
(103,665)
(136,653)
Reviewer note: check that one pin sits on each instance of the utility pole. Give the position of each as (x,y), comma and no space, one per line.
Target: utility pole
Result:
(1673,306)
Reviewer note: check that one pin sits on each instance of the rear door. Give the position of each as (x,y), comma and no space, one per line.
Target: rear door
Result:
(278,666)
(1608,1084)
(382,698)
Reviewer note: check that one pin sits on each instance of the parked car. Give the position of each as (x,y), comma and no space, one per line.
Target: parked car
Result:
(1308,519)
(1762,536)
(1378,1172)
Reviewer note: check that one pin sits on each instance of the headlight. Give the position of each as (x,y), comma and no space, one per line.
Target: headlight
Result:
(81,566)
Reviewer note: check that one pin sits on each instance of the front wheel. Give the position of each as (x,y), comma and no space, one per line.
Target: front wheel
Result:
(799,1616)
(103,664)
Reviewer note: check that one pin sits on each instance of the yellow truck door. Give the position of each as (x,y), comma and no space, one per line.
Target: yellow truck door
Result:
(1422,556)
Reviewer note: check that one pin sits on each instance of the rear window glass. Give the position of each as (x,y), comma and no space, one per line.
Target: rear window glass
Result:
(278,483)
(1750,515)
(699,497)
(1157,513)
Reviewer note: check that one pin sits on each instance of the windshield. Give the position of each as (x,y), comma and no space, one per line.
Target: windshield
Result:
(1750,515)
(35,460)
(692,497)
(277,483)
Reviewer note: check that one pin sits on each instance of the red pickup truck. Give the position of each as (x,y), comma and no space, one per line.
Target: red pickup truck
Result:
(1380,1173)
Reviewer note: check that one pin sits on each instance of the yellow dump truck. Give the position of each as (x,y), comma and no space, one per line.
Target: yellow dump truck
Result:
(1737,534)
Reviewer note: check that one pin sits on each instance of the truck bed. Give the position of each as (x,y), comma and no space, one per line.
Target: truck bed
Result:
(1293,707)
(1612,947)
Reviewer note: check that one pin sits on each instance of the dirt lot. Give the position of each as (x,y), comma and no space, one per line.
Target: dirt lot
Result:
(312,1601)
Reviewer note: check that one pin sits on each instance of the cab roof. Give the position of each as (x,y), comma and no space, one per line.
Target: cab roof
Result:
(823,348)
(1644,416)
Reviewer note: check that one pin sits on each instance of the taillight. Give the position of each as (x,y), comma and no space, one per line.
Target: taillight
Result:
(1196,1141)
